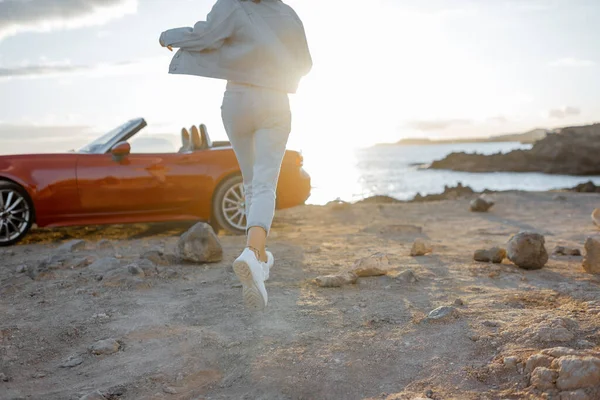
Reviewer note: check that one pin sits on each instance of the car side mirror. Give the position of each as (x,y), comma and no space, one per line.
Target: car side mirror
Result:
(120,150)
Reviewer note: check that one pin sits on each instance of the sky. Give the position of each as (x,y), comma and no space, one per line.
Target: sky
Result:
(383,70)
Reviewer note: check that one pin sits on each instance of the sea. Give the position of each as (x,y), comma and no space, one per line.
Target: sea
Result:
(397,171)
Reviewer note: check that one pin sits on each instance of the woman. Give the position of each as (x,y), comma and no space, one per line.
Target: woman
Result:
(260,48)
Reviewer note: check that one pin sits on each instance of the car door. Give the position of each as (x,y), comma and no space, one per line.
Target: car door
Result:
(134,184)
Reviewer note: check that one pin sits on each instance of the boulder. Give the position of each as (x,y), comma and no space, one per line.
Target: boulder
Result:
(578,372)
(591,261)
(543,378)
(199,244)
(538,360)
(527,250)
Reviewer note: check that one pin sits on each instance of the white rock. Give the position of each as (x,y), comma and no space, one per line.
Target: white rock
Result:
(443,313)
(543,378)
(578,372)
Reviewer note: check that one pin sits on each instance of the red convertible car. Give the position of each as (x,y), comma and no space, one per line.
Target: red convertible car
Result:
(107,182)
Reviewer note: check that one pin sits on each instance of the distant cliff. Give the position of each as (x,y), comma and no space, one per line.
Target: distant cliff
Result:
(568,151)
(527,137)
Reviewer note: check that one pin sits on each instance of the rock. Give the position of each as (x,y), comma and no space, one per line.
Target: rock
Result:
(575,395)
(543,378)
(442,313)
(93,396)
(420,248)
(135,269)
(558,352)
(169,390)
(200,245)
(511,362)
(566,251)
(43,271)
(495,255)
(105,244)
(72,245)
(71,362)
(21,269)
(104,265)
(554,334)
(591,261)
(527,250)
(407,276)
(148,267)
(568,151)
(459,302)
(374,265)
(338,280)
(578,372)
(559,197)
(106,346)
(4,378)
(537,360)
(596,217)
(480,204)
(156,256)
(169,274)
(450,193)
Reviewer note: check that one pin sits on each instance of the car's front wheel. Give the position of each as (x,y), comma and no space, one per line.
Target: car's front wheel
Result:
(229,206)
(16,213)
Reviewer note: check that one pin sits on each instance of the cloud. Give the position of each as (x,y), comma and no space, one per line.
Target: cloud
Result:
(46,15)
(572,62)
(434,125)
(500,119)
(23,133)
(50,69)
(564,112)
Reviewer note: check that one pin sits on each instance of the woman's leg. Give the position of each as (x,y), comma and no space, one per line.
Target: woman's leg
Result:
(239,129)
(270,139)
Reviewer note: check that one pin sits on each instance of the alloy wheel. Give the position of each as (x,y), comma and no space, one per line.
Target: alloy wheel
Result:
(234,206)
(14,215)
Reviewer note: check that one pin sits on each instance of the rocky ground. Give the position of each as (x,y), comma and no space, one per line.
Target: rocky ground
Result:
(116,315)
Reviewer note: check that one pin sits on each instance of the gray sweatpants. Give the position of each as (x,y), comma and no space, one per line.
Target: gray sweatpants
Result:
(258,124)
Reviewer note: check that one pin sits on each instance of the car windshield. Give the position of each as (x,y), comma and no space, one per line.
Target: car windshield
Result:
(105,139)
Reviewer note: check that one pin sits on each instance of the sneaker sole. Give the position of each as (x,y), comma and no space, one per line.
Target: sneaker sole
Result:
(253,299)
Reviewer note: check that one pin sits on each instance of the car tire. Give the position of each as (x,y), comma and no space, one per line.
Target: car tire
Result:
(16,213)
(228,206)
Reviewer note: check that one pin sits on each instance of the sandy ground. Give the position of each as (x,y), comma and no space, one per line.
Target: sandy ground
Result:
(182,331)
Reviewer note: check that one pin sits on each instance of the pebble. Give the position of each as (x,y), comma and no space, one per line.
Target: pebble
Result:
(38,375)
(105,244)
(374,265)
(338,280)
(566,251)
(3,377)
(407,276)
(104,265)
(420,248)
(72,246)
(511,362)
(527,250)
(71,362)
(93,396)
(135,269)
(442,313)
(169,390)
(591,262)
(596,217)
(459,302)
(106,346)
(21,269)
(480,204)
(495,255)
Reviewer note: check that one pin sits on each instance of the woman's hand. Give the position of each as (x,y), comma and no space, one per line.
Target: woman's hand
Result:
(163,45)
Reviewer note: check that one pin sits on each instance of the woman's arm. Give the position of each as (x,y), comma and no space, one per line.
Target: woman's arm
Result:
(205,35)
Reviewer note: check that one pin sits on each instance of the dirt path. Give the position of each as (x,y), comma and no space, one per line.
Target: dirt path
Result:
(181,332)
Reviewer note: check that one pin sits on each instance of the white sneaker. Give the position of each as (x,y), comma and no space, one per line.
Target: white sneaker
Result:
(269,264)
(251,273)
